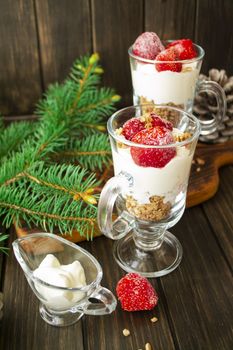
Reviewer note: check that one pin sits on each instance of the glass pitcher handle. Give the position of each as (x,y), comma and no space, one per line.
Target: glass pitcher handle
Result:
(106,306)
(210,126)
(124,223)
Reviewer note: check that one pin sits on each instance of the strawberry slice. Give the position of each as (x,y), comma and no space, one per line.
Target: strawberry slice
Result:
(136,293)
(158,121)
(171,57)
(153,157)
(184,49)
(131,127)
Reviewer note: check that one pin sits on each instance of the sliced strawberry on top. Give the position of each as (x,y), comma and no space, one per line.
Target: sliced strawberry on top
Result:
(136,293)
(158,121)
(184,49)
(153,157)
(171,57)
(131,127)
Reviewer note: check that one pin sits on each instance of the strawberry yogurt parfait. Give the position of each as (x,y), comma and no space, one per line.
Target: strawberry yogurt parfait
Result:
(152,149)
(165,73)
(157,153)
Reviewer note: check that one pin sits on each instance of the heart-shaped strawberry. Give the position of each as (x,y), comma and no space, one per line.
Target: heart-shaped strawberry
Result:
(153,157)
(136,293)
(131,127)
(170,57)
(184,49)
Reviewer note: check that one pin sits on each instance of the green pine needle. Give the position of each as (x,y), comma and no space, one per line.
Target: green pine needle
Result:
(93,152)
(12,137)
(2,248)
(72,119)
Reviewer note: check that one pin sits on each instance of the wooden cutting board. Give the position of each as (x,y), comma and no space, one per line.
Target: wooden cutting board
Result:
(204,178)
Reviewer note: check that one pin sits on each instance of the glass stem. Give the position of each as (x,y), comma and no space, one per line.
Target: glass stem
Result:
(149,237)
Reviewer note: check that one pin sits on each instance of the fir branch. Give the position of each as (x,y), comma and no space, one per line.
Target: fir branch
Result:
(67,179)
(95,106)
(92,153)
(25,203)
(62,196)
(12,137)
(11,170)
(85,72)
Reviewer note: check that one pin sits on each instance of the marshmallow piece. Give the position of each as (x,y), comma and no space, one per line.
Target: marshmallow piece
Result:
(54,276)
(77,272)
(50,261)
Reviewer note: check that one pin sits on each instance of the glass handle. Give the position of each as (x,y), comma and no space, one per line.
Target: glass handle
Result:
(106,305)
(124,223)
(210,126)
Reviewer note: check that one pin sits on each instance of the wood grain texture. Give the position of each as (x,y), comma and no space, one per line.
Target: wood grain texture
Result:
(22,328)
(64,34)
(20,83)
(108,334)
(199,292)
(215,34)
(195,306)
(220,213)
(171,19)
(116,24)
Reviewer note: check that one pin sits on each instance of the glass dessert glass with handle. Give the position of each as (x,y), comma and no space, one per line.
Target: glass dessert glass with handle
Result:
(178,89)
(148,199)
(63,306)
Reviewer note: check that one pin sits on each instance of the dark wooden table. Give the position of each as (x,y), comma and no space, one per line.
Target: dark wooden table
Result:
(195,309)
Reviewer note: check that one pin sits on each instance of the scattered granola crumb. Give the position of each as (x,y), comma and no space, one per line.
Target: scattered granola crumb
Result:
(200,161)
(181,136)
(126,332)
(154,319)
(146,118)
(198,169)
(186,69)
(162,112)
(119,131)
(156,210)
(148,346)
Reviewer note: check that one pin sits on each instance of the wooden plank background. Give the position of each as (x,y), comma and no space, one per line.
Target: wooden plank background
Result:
(39,40)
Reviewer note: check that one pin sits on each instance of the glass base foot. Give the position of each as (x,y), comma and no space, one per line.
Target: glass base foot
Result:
(59,319)
(152,263)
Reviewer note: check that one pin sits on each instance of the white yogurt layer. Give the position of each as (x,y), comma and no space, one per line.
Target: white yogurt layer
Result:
(67,276)
(168,181)
(166,86)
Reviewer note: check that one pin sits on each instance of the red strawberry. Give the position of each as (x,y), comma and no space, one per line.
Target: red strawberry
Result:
(184,49)
(147,45)
(136,293)
(131,127)
(170,56)
(158,121)
(153,157)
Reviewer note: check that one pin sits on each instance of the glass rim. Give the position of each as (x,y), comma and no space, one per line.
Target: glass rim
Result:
(146,60)
(30,274)
(120,139)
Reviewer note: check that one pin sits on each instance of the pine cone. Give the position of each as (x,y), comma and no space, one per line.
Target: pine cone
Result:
(205,106)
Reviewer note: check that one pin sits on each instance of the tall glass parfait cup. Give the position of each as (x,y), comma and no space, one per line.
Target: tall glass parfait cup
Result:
(175,88)
(148,191)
